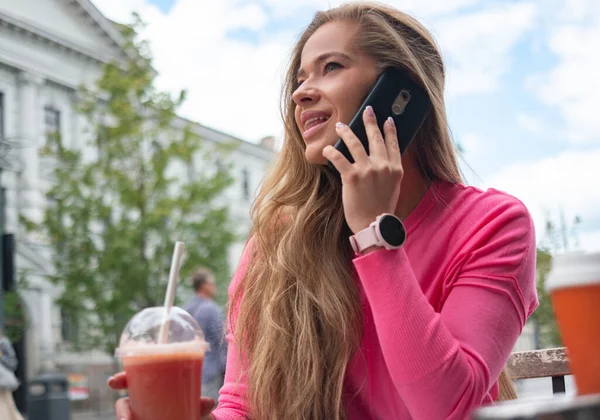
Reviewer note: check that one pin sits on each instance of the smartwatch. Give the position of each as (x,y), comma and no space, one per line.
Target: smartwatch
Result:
(386,231)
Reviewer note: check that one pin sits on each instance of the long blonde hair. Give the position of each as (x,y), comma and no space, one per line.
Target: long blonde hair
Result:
(296,314)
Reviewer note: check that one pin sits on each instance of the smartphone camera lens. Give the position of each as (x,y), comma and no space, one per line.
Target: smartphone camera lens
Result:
(401,101)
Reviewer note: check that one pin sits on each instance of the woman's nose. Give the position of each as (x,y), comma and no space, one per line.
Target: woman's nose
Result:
(305,93)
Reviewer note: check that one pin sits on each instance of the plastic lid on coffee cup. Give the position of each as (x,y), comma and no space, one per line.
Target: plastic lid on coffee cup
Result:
(142,332)
(573,269)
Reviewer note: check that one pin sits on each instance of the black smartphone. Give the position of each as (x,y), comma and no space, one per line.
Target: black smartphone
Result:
(395,95)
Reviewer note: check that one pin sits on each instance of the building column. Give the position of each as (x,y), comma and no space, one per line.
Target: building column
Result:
(30,203)
(46,330)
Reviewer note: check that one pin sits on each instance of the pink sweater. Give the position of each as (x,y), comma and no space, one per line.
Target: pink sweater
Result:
(442,313)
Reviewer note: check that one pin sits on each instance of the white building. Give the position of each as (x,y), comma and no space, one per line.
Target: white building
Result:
(47,49)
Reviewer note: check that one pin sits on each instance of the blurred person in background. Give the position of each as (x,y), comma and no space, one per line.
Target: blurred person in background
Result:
(210,317)
(332,314)
(8,381)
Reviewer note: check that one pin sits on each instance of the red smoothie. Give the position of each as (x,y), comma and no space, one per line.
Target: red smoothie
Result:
(165,382)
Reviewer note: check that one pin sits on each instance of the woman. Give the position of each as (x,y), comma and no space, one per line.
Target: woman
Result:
(8,382)
(418,331)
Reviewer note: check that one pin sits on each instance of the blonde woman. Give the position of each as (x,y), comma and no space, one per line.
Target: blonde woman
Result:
(8,382)
(322,330)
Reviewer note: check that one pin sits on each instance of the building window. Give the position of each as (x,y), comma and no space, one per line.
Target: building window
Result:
(4,146)
(190,172)
(246,184)
(51,122)
(101,140)
(220,165)
(51,203)
(69,327)
(1,117)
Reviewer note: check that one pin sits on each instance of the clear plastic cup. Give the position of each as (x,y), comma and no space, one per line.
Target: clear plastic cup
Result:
(164,380)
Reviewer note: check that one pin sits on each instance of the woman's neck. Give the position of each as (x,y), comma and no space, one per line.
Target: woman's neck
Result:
(413,189)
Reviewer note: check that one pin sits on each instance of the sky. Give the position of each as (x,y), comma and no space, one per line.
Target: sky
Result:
(522,88)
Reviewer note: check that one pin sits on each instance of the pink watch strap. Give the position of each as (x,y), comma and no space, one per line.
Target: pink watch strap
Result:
(364,239)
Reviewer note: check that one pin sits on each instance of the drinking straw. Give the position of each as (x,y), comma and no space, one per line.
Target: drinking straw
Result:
(171,287)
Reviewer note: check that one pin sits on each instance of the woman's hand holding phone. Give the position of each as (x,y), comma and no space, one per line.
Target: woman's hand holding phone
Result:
(370,185)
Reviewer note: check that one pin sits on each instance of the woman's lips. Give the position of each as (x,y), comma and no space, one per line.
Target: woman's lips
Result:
(313,126)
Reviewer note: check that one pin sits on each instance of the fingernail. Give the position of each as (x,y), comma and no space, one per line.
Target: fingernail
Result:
(370,112)
(391,122)
(340,125)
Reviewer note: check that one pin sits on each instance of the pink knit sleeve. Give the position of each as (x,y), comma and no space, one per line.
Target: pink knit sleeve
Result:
(232,398)
(445,364)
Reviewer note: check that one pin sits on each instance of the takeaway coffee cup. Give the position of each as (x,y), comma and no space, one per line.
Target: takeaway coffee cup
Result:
(574,286)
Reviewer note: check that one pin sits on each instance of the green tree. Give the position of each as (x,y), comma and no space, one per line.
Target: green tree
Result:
(115,217)
(14,316)
(559,237)
(545,323)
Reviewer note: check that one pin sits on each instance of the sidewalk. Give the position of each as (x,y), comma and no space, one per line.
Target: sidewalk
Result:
(110,415)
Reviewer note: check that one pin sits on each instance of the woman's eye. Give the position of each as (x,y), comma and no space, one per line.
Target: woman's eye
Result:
(329,67)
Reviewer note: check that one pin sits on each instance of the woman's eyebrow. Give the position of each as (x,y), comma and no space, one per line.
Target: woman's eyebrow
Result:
(323,57)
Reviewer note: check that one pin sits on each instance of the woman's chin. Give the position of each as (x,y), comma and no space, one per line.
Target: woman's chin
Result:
(315,157)
(314,153)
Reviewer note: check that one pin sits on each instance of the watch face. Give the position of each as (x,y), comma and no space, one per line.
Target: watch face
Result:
(392,230)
